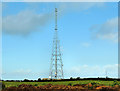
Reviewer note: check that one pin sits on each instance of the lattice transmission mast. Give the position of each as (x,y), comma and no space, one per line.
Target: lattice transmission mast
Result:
(56,67)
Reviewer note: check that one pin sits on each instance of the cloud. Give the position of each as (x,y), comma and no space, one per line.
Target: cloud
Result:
(94,71)
(106,31)
(28,21)
(66,7)
(25,22)
(25,73)
(17,74)
(74,71)
(21,72)
(85,44)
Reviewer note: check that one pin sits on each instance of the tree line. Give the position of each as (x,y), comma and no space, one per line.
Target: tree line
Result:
(70,79)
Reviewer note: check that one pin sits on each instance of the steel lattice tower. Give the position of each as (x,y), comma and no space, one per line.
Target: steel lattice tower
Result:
(56,66)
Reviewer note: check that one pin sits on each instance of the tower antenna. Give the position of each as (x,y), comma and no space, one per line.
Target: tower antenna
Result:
(56,66)
(106,74)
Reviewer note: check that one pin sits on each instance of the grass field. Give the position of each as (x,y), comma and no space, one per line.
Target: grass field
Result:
(107,83)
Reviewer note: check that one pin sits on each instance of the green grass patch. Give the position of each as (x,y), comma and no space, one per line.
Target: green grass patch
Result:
(107,83)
